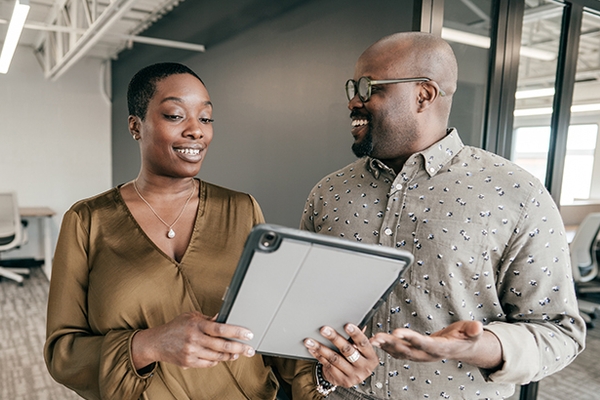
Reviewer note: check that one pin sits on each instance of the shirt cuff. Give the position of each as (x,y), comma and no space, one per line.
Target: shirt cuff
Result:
(519,354)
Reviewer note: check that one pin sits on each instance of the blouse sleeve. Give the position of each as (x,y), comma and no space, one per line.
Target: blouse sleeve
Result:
(93,365)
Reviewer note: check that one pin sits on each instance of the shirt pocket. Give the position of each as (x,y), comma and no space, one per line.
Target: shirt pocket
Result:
(449,255)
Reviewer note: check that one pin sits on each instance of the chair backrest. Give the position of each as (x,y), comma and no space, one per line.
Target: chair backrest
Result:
(11,231)
(582,248)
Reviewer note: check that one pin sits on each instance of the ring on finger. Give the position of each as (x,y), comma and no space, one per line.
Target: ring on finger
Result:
(354,356)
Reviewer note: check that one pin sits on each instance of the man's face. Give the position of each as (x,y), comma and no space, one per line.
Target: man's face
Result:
(384,127)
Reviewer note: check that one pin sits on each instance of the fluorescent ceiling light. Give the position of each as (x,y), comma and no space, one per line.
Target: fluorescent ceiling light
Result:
(530,94)
(13,34)
(538,54)
(533,111)
(548,110)
(585,107)
(471,39)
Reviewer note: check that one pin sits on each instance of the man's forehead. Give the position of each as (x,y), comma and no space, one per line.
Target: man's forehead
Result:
(378,66)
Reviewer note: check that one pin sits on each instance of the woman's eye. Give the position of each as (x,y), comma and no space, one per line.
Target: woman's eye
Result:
(173,117)
(206,120)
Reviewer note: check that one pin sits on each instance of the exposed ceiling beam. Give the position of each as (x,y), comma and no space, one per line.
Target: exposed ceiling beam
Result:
(129,38)
(93,34)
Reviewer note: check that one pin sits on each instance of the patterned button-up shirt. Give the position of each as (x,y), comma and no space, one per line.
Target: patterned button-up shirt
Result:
(489,245)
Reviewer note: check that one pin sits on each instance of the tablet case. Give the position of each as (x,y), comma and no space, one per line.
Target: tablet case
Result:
(289,283)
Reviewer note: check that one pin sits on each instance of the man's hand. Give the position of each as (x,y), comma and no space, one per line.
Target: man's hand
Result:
(462,340)
(354,363)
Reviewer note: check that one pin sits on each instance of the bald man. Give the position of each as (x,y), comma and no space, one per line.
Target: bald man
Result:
(489,301)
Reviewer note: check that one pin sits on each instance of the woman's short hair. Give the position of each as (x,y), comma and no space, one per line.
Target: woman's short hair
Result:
(143,85)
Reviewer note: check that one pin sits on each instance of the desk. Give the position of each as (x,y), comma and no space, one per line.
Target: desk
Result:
(43,214)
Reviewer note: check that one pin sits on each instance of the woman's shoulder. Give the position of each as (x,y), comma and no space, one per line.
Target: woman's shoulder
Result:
(226,201)
(214,192)
(108,198)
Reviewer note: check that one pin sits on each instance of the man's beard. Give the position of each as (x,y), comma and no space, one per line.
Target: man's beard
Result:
(364,147)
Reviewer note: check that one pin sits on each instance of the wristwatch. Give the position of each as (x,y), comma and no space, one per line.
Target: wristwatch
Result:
(324,387)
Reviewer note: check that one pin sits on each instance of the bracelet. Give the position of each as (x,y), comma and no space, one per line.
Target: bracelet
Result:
(324,387)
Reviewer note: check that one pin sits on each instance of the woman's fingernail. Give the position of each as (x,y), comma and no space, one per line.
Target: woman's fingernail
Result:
(250,352)
(309,343)
(326,331)
(350,328)
(249,335)
(235,357)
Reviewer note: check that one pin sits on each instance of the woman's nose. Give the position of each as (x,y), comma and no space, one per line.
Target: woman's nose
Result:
(195,129)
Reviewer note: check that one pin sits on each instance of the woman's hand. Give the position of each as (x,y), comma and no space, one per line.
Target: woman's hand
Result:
(191,340)
(355,361)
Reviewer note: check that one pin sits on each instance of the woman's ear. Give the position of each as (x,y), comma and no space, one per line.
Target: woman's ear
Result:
(134,126)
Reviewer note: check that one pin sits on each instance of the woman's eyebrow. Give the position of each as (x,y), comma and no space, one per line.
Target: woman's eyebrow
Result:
(180,100)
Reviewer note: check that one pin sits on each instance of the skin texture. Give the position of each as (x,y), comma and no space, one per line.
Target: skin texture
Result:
(178,117)
(396,122)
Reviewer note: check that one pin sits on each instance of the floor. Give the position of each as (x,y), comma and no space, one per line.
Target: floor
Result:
(23,374)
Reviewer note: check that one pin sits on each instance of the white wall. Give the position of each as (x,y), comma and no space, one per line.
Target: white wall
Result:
(54,139)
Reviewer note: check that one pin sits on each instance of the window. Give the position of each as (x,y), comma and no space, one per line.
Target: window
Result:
(531,150)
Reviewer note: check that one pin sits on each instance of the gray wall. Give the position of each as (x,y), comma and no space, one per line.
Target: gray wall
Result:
(275,71)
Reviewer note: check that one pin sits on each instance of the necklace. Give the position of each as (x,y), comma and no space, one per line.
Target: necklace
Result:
(170,232)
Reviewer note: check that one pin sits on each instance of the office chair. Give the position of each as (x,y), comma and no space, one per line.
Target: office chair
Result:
(12,234)
(584,263)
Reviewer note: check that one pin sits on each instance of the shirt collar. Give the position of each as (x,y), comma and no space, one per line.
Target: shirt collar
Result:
(434,157)
(439,154)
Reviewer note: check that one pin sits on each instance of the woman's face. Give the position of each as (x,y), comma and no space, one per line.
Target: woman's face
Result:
(177,130)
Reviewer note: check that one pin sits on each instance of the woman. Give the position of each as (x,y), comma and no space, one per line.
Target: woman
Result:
(140,270)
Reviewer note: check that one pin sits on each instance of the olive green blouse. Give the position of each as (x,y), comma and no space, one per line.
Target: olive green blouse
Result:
(109,280)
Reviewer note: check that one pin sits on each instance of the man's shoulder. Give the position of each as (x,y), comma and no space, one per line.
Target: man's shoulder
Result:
(359,166)
(496,166)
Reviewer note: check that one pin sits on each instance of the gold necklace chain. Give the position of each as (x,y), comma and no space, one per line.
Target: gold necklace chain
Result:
(170,232)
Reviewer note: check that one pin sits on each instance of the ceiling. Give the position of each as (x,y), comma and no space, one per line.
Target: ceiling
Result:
(541,30)
(60,32)
(540,39)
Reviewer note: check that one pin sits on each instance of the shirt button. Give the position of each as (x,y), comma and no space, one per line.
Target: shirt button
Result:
(379,385)
(388,231)
(398,187)
(432,170)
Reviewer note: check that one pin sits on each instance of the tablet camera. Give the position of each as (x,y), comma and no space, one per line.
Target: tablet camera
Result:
(268,241)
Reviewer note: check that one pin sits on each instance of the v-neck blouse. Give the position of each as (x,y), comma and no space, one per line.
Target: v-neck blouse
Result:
(110,280)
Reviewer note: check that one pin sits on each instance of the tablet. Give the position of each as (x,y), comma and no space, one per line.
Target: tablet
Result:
(289,283)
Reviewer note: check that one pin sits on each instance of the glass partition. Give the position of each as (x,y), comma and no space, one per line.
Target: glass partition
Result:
(540,42)
(467,27)
(534,99)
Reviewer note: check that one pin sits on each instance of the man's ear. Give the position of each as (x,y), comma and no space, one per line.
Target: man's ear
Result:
(428,92)
(134,126)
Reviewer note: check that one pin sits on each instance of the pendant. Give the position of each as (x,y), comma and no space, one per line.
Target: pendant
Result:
(171,234)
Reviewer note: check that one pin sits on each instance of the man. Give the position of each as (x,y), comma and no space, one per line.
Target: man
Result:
(489,301)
